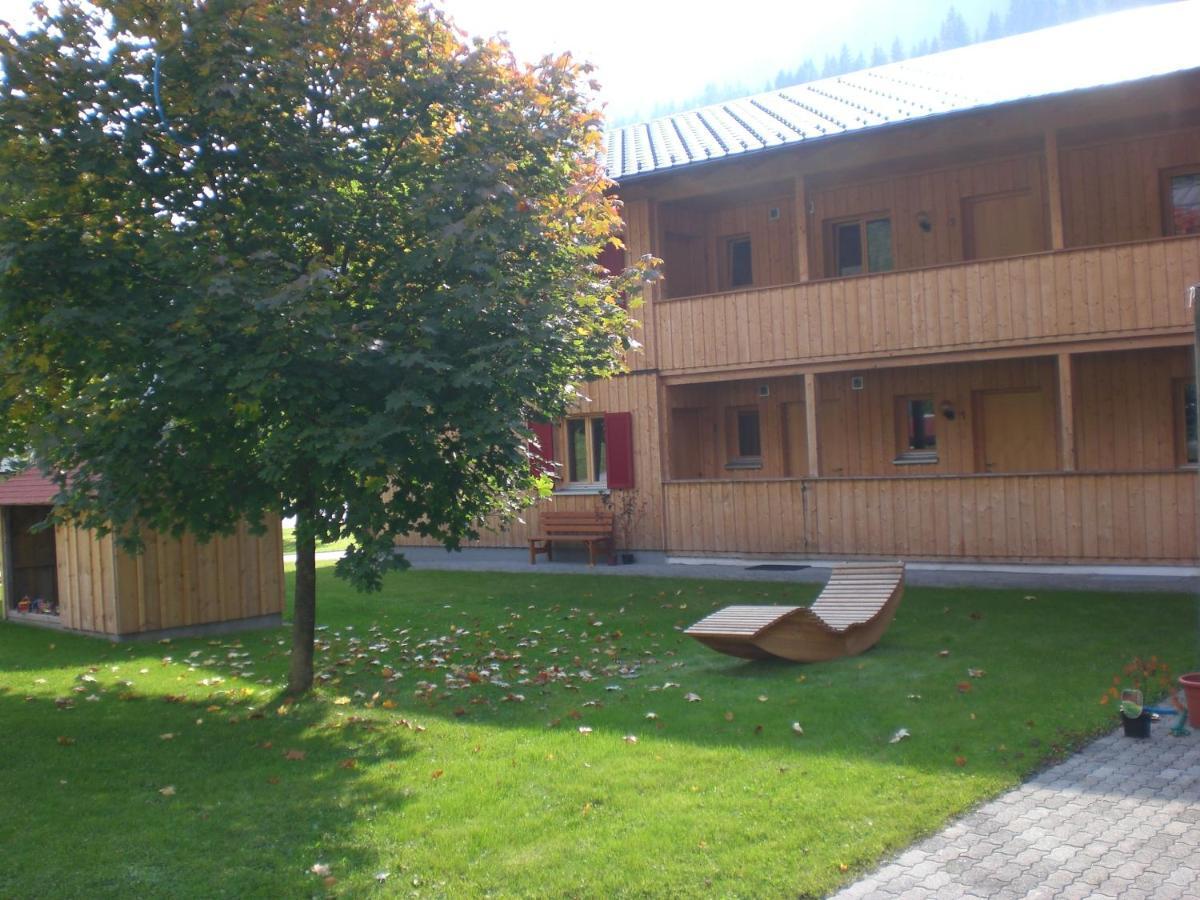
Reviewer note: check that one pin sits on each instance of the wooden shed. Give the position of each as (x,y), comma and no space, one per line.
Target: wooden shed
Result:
(73,579)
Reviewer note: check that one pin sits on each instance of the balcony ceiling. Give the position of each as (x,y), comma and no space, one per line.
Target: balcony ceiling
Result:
(1106,50)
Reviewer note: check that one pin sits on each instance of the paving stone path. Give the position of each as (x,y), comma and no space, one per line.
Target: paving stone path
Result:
(1120,820)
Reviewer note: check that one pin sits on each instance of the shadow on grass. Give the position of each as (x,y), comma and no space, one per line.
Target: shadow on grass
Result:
(166,790)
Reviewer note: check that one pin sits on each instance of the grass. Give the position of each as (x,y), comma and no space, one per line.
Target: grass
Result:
(403,763)
(289,542)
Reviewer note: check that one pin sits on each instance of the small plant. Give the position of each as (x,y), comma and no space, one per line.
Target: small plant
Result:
(1139,680)
(628,506)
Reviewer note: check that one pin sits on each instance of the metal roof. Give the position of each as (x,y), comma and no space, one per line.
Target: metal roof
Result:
(28,488)
(1106,50)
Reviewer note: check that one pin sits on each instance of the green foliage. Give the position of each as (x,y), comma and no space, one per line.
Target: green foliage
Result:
(318,258)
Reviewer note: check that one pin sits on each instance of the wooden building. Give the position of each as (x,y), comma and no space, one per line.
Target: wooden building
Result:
(73,579)
(931,310)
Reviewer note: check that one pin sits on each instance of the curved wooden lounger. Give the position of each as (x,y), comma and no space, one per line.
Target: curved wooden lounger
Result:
(848,618)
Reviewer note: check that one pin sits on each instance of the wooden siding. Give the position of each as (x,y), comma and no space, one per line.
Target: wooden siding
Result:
(935,197)
(1102,517)
(1065,295)
(706,452)
(636,394)
(1127,409)
(858,430)
(172,584)
(693,240)
(1112,191)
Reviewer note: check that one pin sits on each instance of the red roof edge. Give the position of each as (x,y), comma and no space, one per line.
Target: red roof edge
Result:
(28,488)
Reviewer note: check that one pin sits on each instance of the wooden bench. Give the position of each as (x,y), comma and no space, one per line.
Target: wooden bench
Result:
(848,618)
(591,528)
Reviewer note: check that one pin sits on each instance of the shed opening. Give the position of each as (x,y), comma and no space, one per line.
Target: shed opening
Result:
(31,563)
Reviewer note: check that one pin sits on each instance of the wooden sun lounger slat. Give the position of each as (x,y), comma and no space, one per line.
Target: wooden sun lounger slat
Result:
(850,615)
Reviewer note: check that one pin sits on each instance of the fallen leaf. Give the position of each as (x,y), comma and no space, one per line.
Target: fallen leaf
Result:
(388,704)
(842,867)
(758,729)
(169,736)
(168,791)
(964,687)
(900,735)
(976,673)
(583,729)
(437,773)
(762,698)
(651,715)
(797,730)
(320,869)
(914,696)
(630,739)
(976,616)
(65,741)
(728,717)
(943,653)
(381,877)
(294,754)
(960,761)
(692,698)
(350,763)
(329,881)
(341,701)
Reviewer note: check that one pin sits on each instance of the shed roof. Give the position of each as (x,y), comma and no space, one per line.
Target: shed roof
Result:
(1105,50)
(28,488)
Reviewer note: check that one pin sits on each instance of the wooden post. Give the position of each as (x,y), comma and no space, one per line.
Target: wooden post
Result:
(1066,414)
(1054,190)
(810,423)
(803,272)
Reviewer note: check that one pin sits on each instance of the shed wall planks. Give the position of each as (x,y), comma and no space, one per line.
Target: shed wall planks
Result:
(173,583)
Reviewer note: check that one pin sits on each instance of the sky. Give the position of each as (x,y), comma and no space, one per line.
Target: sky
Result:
(651,51)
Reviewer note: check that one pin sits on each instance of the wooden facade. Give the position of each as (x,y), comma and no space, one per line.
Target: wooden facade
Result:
(175,586)
(1020,276)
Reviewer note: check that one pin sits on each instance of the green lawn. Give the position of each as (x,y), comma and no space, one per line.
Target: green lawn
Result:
(289,542)
(457,787)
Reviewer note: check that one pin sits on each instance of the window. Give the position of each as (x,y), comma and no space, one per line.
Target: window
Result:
(739,261)
(1186,431)
(916,431)
(1181,202)
(587,452)
(860,245)
(745,442)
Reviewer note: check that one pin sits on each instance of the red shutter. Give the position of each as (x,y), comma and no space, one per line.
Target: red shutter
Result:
(612,258)
(618,435)
(541,451)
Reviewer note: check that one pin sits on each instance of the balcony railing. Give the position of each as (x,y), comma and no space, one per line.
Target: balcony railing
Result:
(1084,294)
(1129,517)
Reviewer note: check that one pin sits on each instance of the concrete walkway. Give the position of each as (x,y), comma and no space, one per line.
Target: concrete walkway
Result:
(572,562)
(1121,820)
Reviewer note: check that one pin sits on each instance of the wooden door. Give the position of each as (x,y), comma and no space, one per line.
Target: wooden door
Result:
(795,441)
(685,265)
(1010,432)
(687,460)
(1001,225)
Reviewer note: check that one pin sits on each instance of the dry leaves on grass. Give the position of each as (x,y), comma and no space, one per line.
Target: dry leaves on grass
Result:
(168,791)
(900,735)
(295,755)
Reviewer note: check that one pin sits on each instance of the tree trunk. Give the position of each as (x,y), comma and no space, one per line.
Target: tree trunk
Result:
(304,611)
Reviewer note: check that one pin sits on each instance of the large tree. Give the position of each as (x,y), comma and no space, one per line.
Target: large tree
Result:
(324,258)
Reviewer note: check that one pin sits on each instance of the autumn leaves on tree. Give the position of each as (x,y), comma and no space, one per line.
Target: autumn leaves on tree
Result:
(320,259)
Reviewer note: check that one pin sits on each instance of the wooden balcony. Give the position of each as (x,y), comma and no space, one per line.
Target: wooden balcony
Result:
(1109,517)
(1058,297)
